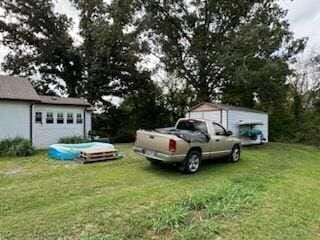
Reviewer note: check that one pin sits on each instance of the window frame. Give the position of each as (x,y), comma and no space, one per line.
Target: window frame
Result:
(219,125)
(36,119)
(70,120)
(79,120)
(59,118)
(49,118)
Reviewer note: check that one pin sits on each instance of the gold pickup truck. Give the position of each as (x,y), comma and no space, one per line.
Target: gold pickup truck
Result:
(187,144)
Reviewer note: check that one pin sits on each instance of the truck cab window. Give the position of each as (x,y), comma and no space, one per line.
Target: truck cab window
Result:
(220,131)
(192,125)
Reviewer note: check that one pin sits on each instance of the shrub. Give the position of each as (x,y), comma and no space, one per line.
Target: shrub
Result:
(227,199)
(73,140)
(16,147)
(171,217)
(123,136)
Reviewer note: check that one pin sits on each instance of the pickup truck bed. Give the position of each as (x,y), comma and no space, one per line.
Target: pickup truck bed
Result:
(155,145)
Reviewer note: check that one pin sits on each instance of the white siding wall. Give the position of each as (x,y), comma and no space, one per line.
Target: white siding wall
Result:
(14,120)
(235,117)
(214,116)
(46,134)
(194,115)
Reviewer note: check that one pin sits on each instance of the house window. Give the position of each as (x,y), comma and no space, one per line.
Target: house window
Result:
(70,118)
(60,118)
(38,118)
(49,119)
(79,118)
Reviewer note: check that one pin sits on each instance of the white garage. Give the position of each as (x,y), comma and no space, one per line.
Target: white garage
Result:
(41,119)
(250,125)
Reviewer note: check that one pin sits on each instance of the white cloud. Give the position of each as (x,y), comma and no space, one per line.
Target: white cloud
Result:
(304,18)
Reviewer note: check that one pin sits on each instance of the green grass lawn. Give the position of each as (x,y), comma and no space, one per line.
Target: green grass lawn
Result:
(273,193)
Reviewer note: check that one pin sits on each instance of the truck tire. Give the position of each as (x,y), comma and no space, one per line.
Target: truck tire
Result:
(192,162)
(235,154)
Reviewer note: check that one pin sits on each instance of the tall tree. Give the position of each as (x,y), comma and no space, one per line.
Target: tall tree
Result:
(234,49)
(305,84)
(110,49)
(40,44)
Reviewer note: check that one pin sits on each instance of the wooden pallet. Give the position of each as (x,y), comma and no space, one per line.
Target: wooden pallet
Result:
(97,155)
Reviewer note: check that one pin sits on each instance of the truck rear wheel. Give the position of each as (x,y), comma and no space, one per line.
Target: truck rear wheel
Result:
(235,154)
(192,162)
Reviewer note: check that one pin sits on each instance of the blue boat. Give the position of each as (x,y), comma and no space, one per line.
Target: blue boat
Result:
(69,152)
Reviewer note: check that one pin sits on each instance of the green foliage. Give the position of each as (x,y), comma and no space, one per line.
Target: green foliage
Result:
(16,147)
(40,43)
(110,52)
(228,199)
(73,140)
(105,63)
(224,48)
(103,237)
(146,110)
(169,218)
(200,229)
(309,129)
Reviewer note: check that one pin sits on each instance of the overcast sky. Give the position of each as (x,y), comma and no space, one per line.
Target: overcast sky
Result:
(304,17)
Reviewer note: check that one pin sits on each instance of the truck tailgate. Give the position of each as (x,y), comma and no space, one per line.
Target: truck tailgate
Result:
(154,141)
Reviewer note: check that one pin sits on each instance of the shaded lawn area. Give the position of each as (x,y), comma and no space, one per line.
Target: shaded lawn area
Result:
(273,193)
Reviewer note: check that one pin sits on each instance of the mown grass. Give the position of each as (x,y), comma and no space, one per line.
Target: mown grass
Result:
(273,193)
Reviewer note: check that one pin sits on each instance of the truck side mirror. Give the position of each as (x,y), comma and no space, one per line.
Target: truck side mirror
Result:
(229,133)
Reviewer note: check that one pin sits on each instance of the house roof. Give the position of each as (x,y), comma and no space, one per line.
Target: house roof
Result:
(64,101)
(15,88)
(208,107)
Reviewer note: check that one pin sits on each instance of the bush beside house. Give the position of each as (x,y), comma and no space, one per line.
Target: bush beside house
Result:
(73,140)
(16,147)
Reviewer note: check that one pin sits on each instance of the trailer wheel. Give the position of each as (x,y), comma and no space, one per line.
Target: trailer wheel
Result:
(192,162)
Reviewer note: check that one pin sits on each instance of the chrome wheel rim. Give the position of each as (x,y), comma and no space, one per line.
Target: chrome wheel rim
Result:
(194,163)
(236,154)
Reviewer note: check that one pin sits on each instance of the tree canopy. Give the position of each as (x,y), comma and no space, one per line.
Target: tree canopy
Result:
(225,50)
(236,52)
(40,44)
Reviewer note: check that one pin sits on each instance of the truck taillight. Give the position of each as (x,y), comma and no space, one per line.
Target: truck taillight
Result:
(172,145)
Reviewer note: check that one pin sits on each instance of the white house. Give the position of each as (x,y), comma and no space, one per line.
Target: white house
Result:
(235,119)
(41,119)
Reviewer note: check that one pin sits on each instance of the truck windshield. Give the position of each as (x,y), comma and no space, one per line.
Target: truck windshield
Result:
(192,125)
